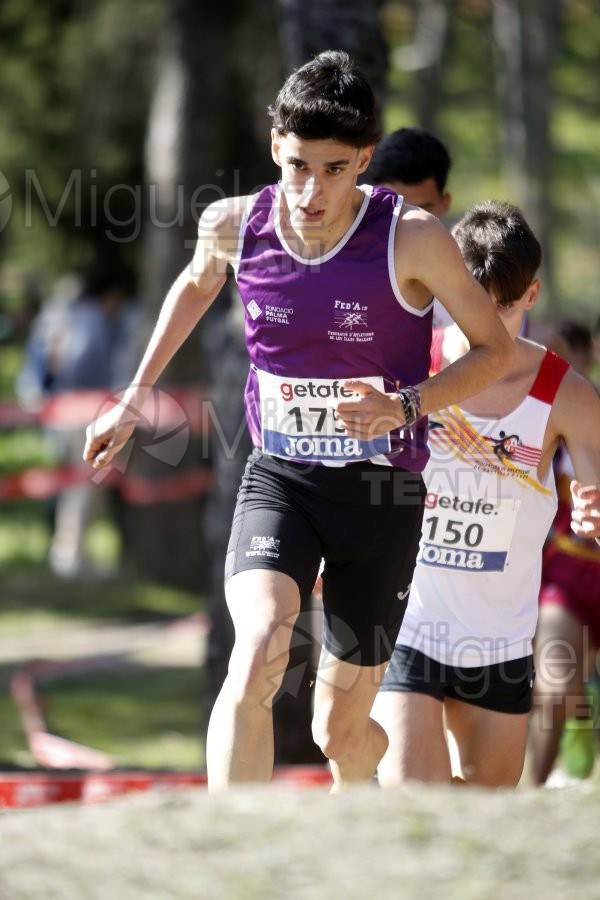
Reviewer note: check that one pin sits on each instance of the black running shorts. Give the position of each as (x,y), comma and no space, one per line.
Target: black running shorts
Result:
(505,687)
(363,520)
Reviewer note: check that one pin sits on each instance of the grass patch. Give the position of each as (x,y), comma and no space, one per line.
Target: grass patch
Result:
(24,538)
(144,717)
(27,591)
(11,360)
(24,448)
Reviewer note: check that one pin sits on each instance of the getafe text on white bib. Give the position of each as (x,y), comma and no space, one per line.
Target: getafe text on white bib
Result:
(467,534)
(298,423)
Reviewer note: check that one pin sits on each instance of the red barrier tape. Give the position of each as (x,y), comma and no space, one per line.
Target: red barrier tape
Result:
(166,407)
(36,789)
(13,416)
(172,410)
(41,484)
(31,789)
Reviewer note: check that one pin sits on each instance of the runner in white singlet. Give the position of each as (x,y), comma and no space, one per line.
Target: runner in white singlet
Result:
(457,692)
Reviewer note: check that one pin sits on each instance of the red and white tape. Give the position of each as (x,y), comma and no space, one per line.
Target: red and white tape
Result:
(29,789)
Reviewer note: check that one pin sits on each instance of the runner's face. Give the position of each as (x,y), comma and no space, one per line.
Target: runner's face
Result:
(318,178)
(424,193)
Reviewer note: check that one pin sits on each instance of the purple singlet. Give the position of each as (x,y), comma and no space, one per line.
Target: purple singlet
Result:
(312,323)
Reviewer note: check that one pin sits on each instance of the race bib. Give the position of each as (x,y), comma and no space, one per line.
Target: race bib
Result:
(298,423)
(466,534)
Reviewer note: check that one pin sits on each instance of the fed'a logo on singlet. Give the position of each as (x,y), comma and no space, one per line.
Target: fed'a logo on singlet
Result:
(350,323)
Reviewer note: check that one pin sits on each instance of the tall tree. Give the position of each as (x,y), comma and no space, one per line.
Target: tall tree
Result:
(428,54)
(207,138)
(71,140)
(527,39)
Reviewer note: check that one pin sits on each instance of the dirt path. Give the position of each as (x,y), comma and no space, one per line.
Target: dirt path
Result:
(256,844)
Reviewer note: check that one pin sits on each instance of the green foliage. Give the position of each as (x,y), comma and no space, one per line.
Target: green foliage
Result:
(76,82)
(468,122)
(11,357)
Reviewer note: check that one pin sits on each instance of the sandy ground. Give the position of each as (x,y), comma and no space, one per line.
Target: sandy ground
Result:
(277,842)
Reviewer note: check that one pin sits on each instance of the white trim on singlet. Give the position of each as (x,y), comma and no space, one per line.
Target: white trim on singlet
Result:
(235,262)
(392,268)
(365,188)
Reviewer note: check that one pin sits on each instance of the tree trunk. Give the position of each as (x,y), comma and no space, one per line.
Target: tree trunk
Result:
(205,140)
(310,26)
(428,55)
(526,35)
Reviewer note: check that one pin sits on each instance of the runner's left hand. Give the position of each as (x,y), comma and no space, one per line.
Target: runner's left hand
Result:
(371,414)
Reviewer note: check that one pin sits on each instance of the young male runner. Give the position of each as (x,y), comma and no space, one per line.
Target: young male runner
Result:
(414,163)
(336,283)
(461,675)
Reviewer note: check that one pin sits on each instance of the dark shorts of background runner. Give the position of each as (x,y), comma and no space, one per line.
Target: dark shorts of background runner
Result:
(363,520)
(503,687)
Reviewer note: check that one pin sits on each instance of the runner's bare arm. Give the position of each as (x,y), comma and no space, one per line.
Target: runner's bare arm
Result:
(429,263)
(189,297)
(576,418)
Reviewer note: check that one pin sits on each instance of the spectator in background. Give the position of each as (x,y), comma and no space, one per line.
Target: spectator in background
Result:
(580,345)
(82,340)
(568,633)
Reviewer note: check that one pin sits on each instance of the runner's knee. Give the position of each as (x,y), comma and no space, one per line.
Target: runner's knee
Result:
(337,736)
(258,668)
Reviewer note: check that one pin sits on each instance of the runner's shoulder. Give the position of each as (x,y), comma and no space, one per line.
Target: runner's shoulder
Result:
(220,223)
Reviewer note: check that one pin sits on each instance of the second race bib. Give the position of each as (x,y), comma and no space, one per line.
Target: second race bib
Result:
(465,534)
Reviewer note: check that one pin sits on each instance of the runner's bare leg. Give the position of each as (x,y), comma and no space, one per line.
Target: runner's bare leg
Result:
(263,605)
